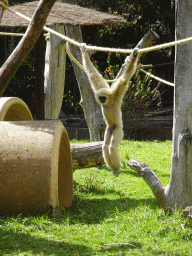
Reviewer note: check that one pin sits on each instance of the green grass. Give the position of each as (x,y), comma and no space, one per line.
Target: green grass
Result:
(107,210)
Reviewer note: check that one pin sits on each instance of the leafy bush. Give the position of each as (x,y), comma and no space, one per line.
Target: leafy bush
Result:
(137,101)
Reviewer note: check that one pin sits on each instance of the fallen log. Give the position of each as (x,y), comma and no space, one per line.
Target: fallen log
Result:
(87,155)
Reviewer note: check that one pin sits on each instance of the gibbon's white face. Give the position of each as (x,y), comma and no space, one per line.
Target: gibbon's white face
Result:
(103,96)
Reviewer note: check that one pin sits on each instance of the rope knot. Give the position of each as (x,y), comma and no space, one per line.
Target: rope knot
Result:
(82,47)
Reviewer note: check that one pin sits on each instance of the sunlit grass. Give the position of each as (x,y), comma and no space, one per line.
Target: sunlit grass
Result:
(106,210)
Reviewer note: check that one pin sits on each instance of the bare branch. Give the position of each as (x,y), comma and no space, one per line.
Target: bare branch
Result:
(148,39)
(152,180)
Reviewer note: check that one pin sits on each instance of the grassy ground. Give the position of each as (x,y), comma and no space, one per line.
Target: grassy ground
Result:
(108,210)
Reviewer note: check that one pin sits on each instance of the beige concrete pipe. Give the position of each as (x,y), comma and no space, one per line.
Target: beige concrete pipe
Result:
(14,109)
(35,167)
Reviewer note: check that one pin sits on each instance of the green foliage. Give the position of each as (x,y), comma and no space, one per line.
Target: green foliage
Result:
(137,101)
(112,70)
(141,16)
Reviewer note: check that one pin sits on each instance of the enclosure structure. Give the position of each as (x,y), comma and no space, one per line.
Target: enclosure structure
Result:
(35,167)
(14,109)
(50,80)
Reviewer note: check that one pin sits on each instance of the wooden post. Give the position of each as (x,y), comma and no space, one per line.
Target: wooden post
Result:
(26,44)
(55,60)
(39,83)
(1,12)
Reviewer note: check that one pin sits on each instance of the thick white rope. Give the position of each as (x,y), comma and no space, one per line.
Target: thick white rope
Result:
(11,34)
(96,48)
(105,49)
(158,78)
(79,64)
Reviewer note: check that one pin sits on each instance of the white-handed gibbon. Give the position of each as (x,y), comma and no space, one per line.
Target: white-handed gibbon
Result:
(110,98)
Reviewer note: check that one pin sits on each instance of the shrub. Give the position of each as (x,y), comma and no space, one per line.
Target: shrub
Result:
(137,102)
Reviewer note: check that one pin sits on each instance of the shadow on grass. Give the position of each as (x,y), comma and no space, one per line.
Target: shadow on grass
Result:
(122,248)
(157,172)
(128,250)
(123,170)
(12,242)
(130,172)
(96,189)
(95,211)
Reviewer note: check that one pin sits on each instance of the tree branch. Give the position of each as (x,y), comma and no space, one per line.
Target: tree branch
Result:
(152,180)
(26,44)
(148,39)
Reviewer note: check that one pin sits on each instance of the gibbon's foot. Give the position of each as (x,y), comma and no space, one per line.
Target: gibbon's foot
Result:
(116,172)
(135,52)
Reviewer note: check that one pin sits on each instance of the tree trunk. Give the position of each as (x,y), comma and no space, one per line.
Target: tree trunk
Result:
(54,74)
(179,190)
(26,44)
(91,108)
(86,155)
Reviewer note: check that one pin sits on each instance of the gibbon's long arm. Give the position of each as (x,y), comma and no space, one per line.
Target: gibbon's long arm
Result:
(119,87)
(96,79)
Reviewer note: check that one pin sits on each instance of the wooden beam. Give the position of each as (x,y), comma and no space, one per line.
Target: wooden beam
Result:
(26,44)
(55,60)
(1,12)
(39,83)
(87,155)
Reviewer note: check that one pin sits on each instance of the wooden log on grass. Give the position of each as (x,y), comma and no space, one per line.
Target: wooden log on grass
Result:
(87,155)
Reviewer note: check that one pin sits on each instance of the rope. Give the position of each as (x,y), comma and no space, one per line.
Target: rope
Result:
(73,58)
(79,64)
(106,49)
(11,34)
(166,45)
(96,48)
(158,78)
(4,4)
(50,31)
